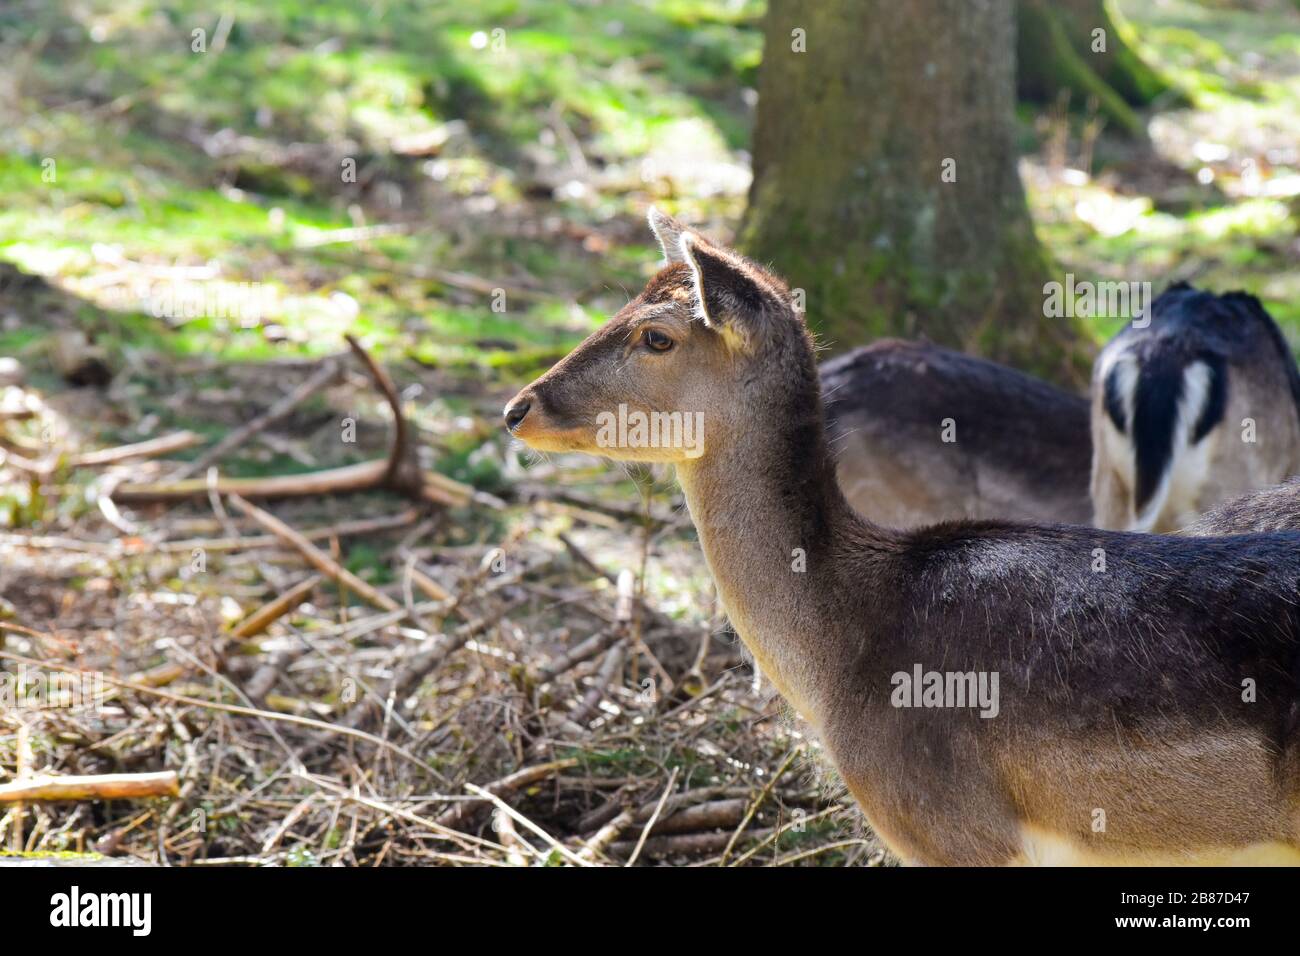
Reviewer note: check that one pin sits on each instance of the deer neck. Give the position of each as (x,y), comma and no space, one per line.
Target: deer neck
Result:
(772,521)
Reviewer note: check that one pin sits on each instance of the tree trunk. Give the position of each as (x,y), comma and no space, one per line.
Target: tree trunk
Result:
(1084,46)
(885,182)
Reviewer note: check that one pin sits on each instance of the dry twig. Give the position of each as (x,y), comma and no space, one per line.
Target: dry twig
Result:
(109,786)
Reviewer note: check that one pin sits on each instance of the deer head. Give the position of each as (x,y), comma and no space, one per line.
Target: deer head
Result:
(677,370)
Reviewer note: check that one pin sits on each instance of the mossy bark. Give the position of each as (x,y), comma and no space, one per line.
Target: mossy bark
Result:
(1086,48)
(885,181)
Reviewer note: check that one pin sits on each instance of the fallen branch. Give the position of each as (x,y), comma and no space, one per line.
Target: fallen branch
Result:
(703,816)
(402,471)
(314,555)
(46,466)
(162,445)
(160,676)
(109,786)
(687,798)
(365,476)
(261,619)
(428,585)
(606,835)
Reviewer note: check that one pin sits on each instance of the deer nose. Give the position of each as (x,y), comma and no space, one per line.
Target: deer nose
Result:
(516,411)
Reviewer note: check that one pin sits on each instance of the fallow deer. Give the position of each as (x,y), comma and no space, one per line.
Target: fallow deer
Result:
(923,434)
(1197,405)
(1147,700)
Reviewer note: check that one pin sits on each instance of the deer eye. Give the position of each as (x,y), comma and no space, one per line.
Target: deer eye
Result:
(657,341)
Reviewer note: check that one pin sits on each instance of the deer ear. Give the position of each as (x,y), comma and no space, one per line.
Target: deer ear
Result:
(669,233)
(731,292)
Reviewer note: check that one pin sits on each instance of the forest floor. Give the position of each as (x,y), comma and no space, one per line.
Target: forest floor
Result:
(468,204)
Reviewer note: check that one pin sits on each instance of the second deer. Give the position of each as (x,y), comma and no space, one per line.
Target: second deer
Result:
(1200,404)
(989,693)
(924,434)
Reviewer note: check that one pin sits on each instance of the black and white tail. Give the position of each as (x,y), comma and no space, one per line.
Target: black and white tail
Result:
(1160,405)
